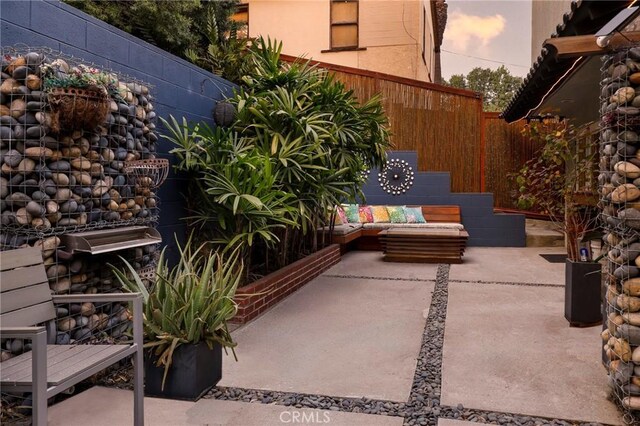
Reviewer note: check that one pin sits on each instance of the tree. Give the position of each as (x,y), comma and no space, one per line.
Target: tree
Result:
(497,86)
(201,31)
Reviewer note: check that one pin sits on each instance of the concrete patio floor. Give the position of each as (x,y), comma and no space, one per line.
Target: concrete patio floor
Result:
(166,412)
(509,264)
(335,336)
(357,330)
(509,349)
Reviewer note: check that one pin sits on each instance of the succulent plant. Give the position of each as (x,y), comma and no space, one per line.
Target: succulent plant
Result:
(188,303)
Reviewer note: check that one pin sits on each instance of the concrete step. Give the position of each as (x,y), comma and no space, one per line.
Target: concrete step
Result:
(542,233)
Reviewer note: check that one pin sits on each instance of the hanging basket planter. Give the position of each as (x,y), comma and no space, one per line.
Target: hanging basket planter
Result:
(149,173)
(78,109)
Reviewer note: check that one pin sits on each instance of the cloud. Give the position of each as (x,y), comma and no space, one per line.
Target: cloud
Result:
(462,29)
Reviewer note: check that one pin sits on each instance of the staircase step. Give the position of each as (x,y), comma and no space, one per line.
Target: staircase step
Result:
(542,234)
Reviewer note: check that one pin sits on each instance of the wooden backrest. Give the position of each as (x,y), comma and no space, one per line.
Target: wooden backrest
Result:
(25,296)
(442,213)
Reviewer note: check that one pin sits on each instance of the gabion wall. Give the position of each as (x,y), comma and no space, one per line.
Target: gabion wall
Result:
(55,181)
(620,202)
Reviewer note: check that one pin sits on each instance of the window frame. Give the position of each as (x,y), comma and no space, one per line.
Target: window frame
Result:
(332,24)
(424,35)
(240,8)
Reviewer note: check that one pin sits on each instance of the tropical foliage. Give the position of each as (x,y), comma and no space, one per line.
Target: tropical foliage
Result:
(188,303)
(298,147)
(201,31)
(559,181)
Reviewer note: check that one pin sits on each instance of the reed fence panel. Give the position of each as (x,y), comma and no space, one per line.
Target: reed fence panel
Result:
(506,151)
(442,124)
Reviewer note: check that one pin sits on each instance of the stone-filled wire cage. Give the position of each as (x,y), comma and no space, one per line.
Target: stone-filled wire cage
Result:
(78,179)
(619,184)
(59,175)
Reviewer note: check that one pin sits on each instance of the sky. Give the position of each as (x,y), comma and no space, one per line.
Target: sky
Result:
(498,31)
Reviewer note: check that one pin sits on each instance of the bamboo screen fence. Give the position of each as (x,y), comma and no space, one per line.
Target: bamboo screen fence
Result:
(447,129)
(506,151)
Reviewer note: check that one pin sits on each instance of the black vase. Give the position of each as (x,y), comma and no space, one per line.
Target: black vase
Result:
(194,370)
(582,293)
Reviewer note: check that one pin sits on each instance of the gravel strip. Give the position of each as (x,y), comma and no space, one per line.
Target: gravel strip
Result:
(507,283)
(378,278)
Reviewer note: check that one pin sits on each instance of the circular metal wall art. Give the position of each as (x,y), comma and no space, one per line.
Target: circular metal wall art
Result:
(396,177)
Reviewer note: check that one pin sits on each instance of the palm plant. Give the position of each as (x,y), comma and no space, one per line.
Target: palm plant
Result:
(189,303)
(297,148)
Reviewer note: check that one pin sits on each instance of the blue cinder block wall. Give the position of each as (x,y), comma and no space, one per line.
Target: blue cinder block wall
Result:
(433,188)
(178,87)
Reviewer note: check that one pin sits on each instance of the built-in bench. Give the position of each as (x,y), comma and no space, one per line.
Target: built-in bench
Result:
(365,236)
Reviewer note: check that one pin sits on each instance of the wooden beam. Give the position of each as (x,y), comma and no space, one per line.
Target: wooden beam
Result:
(572,47)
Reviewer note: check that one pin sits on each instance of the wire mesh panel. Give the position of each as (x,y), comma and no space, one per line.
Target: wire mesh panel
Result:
(619,183)
(77,153)
(64,148)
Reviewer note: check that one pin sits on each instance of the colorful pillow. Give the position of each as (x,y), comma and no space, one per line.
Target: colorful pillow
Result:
(414,215)
(340,218)
(351,213)
(396,214)
(380,214)
(365,214)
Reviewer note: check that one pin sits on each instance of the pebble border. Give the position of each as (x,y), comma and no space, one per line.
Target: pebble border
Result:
(423,407)
(507,283)
(366,277)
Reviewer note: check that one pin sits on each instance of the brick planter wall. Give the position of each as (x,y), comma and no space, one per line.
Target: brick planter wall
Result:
(278,285)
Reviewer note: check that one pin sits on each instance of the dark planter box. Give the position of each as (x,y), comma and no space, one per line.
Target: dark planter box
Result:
(582,294)
(195,369)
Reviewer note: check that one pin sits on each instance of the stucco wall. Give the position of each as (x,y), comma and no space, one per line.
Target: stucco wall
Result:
(178,87)
(486,229)
(390,30)
(545,17)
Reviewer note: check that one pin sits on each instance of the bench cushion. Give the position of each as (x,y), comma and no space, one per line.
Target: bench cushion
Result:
(344,229)
(431,225)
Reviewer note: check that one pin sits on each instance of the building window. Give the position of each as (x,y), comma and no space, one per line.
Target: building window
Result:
(241,18)
(344,24)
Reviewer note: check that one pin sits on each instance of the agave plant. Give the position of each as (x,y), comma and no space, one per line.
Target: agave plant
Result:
(189,303)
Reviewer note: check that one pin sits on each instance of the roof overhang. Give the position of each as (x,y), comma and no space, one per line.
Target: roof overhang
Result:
(566,86)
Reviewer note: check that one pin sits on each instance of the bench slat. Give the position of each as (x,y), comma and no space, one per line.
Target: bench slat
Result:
(68,363)
(19,258)
(30,315)
(25,296)
(16,367)
(67,370)
(22,277)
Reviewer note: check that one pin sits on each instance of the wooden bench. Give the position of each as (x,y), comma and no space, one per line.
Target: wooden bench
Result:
(26,300)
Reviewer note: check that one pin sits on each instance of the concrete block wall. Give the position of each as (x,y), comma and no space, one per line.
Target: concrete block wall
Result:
(178,87)
(433,188)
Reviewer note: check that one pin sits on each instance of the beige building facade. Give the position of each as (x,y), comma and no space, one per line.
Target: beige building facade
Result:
(398,37)
(545,16)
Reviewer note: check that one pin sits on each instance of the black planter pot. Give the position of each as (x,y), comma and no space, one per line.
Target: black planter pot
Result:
(195,369)
(582,294)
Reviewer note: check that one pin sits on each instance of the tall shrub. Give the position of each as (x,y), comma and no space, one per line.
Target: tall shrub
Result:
(298,147)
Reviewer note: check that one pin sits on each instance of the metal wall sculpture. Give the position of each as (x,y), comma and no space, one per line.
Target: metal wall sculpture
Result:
(396,176)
